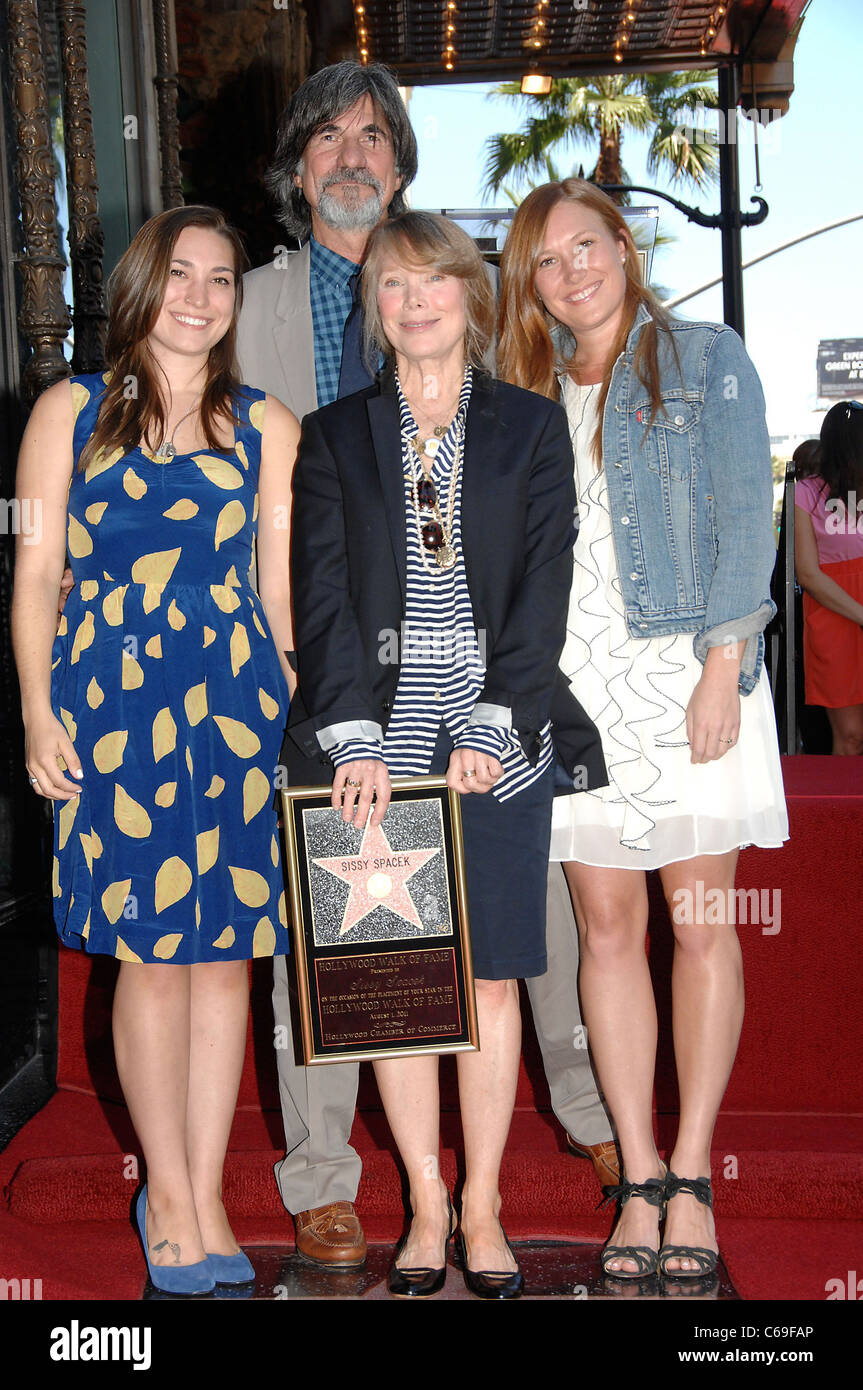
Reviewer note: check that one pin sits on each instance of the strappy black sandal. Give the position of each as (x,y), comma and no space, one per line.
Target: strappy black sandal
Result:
(702,1191)
(653,1191)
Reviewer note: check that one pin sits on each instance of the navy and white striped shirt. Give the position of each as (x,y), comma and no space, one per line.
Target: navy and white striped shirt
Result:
(442,665)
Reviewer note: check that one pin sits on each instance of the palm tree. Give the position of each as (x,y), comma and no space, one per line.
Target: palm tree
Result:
(586,110)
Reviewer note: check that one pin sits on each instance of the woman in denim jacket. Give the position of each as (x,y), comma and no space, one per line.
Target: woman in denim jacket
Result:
(665,652)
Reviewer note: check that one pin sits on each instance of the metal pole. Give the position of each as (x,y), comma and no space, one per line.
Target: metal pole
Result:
(166,93)
(729,192)
(790,618)
(765,256)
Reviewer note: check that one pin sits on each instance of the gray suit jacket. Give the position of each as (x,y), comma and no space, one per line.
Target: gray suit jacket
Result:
(275,339)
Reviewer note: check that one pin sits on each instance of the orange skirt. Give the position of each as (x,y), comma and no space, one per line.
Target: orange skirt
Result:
(833,645)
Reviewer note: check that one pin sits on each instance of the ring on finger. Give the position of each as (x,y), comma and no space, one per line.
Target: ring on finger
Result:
(34,781)
(351,782)
(726,740)
(469,772)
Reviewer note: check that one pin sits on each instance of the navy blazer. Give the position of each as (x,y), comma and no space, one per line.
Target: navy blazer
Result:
(349,561)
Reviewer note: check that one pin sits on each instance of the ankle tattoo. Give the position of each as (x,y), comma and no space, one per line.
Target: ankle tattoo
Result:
(174,1249)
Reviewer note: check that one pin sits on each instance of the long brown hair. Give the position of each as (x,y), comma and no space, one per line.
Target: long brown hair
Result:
(136,290)
(526,354)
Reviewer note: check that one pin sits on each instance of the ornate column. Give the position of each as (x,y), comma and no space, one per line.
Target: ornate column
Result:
(44,318)
(86,242)
(166,93)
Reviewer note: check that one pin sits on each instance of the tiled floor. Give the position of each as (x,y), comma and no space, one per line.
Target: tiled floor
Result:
(551,1270)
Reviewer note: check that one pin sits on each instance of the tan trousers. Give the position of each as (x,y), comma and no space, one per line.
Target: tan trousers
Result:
(575,1098)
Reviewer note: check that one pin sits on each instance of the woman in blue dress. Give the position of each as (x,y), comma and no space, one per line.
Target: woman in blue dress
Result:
(154,713)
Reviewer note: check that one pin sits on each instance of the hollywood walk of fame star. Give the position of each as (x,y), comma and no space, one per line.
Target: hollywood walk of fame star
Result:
(378,877)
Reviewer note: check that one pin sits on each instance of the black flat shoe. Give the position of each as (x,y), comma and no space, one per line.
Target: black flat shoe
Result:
(420,1282)
(490,1283)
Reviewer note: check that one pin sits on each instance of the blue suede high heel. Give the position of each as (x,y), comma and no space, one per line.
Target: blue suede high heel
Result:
(196,1278)
(232,1269)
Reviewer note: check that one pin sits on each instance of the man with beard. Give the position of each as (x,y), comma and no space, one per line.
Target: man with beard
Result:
(345,154)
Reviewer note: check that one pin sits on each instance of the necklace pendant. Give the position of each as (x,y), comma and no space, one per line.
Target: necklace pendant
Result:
(445,557)
(426,448)
(440,431)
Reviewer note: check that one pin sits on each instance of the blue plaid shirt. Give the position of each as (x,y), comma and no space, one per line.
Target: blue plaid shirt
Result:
(330,294)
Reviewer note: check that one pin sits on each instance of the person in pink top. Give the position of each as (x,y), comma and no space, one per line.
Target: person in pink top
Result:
(828,557)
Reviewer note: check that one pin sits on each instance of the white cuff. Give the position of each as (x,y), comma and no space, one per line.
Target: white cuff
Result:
(364,730)
(497,716)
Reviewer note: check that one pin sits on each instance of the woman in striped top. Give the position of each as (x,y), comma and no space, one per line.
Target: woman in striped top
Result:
(432,546)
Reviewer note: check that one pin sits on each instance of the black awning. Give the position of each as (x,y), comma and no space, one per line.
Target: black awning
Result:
(438,41)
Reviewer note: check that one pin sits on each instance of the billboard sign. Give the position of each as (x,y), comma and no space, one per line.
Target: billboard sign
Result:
(840,368)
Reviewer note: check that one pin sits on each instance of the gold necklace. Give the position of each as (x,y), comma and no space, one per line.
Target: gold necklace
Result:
(424,446)
(446,554)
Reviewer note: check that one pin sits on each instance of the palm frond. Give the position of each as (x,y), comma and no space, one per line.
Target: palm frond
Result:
(690,161)
(557,99)
(686,104)
(580,110)
(504,153)
(666,86)
(524,152)
(626,111)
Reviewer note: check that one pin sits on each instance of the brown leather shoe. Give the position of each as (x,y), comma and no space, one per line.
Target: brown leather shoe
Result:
(606,1163)
(331,1236)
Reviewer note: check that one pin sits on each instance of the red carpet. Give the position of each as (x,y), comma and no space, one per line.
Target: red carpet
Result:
(788,1154)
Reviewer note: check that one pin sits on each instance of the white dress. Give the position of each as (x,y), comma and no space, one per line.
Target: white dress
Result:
(659,807)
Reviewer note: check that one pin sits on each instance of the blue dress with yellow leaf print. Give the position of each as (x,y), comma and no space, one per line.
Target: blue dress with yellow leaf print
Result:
(166,676)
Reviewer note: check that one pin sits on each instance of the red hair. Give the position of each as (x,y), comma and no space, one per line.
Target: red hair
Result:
(526,354)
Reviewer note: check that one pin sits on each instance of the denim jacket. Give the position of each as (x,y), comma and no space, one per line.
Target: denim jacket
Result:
(691,498)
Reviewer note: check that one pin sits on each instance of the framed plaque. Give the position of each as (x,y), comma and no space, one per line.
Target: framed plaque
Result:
(380,925)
